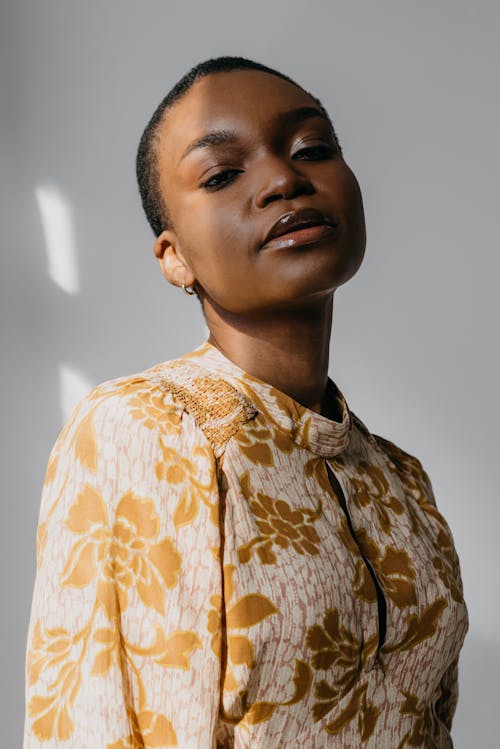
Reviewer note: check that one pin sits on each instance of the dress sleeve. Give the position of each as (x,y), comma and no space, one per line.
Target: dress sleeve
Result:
(123,645)
(446,703)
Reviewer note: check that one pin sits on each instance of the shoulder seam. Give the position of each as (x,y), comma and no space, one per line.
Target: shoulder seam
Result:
(218,408)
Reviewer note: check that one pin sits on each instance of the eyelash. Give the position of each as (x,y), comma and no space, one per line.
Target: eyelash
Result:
(221,179)
(219,184)
(326,151)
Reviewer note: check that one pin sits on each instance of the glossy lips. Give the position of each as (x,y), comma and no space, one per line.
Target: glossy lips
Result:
(299,227)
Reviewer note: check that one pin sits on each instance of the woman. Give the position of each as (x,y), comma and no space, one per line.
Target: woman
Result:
(226,555)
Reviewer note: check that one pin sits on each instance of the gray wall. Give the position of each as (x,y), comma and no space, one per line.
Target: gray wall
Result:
(413,90)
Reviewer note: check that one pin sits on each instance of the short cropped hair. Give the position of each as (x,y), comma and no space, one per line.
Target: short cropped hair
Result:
(147,153)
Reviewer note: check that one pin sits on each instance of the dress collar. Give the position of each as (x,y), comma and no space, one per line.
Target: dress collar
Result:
(307,428)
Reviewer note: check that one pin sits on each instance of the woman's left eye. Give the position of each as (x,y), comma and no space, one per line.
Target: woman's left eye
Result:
(315,153)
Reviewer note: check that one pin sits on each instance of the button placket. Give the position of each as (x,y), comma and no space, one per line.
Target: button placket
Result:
(381,627)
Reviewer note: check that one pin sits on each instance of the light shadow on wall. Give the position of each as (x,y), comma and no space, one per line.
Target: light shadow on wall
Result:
(62,268)
(58,230)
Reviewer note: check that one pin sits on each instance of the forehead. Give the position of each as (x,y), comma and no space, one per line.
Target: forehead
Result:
(242,100)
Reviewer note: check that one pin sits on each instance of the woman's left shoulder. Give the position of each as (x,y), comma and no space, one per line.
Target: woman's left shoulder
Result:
(407,466)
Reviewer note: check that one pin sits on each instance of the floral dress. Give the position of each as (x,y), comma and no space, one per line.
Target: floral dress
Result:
(219,566)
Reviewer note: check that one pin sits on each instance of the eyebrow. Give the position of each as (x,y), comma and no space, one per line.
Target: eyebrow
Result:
(285,119)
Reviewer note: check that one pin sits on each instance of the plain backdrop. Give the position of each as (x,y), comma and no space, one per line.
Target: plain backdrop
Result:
(412,88)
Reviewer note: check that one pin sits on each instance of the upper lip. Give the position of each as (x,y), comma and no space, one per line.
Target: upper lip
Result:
(294,220)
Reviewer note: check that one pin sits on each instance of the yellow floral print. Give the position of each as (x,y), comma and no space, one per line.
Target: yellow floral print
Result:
(197,584)
(371,487)
(123,557)
(148,730)
(341,654)
(176,469)
(148,407)
(279,525)
(367,714)
(246,612)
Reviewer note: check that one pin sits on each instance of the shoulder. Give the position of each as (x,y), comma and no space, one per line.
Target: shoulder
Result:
(176,399)
(409,468)
(406,466)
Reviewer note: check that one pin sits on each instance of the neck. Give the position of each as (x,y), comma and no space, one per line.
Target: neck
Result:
(287,349)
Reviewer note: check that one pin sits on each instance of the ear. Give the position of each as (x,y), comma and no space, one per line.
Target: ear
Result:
(171,260)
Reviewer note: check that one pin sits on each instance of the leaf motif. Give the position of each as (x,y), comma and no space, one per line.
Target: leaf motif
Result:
(250,610)
(161,733)
(85,442)
(103,662)
(348,713)
(105,636)
(259,453)
(64,724)
(80,568)
(87,511)
(187,508)
(420,628)
(240,650)
(245,487)
(229,570)
(320,709)
(107,597)
(179,646)
(302,681)
(167,561)
(259,712)
(151,593)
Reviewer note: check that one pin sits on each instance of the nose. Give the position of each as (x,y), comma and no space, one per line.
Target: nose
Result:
(281,180)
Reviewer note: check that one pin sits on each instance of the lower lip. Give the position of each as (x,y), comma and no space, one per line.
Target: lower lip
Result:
(301,237)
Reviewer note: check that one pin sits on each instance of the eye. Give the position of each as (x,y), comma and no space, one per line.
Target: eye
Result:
(221,179)
(315,153)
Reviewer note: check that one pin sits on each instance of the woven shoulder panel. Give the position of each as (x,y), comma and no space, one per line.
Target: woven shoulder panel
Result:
(217,407)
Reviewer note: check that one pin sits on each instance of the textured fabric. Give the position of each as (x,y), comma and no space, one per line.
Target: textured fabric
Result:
(220,566)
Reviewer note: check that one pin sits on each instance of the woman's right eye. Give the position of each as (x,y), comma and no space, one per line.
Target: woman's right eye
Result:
(221,179)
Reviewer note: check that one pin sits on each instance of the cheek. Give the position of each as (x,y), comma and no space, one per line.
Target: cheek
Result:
(347,199)
(214,245)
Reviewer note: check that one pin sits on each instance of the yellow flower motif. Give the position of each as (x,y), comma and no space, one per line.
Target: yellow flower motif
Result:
(279,525)
(51,712)
(425,731)
(393,568)
(172,651)
(447,565)
(47,650)
(149,729)
(246,612)
(127,556)
(176,469)
(336,650)
(148,406)
(371,487)
(358,707)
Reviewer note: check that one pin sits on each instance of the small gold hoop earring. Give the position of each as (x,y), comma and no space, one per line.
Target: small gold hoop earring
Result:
(188,289)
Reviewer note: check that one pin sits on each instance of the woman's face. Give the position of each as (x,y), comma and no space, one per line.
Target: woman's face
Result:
(239,151)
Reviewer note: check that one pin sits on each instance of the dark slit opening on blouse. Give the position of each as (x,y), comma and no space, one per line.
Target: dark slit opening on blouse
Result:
(381,603)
